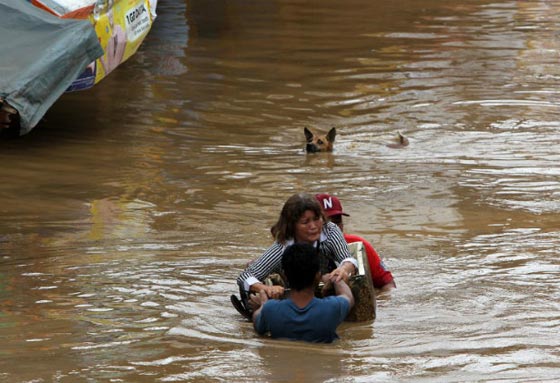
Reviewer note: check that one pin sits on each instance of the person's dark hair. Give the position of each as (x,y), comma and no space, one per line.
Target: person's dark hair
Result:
(300,262)
(294,207)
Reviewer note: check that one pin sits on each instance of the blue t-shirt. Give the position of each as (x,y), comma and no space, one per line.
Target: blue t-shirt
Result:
(316,322)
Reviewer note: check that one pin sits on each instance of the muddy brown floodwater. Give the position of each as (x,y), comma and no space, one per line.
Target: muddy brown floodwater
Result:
(127,215)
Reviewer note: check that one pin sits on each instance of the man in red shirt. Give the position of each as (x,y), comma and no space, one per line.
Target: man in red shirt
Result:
(381,277)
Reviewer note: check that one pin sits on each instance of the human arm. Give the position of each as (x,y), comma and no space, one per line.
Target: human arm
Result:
(259,300)
(343,272)
(343,290)
(389,286)
(275,292)
(338,276)
(336,248)
(269,262)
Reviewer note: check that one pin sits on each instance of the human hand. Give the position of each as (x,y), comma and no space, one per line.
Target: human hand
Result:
(273,292)
(334,277)
(337,275)
(257,300)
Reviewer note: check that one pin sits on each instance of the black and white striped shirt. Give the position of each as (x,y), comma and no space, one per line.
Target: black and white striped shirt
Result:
(332,247)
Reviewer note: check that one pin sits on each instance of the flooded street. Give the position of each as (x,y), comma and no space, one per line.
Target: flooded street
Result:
(129,213)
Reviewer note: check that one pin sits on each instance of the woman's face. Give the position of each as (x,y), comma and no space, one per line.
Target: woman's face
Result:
(308,227)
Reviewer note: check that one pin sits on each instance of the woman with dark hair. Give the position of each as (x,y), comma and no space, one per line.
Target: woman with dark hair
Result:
(301,221)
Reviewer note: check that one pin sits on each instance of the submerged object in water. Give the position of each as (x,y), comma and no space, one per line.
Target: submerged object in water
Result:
(402,141)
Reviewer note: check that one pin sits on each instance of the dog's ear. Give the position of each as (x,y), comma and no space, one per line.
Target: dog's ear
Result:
(331,135)
(402,139)
(308,134)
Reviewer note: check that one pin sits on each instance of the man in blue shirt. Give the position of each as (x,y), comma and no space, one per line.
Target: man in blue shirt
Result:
(302,316)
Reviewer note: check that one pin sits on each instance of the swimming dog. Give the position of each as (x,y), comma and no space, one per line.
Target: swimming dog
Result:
(319,142)
(402,141)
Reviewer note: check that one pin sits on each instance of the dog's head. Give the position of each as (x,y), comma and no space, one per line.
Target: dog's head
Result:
(319,142)
(402,141)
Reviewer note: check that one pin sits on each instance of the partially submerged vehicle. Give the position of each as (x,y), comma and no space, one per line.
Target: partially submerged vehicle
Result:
(54,46)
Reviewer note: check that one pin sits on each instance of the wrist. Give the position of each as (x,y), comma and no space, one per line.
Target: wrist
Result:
(351,270)
(256,288)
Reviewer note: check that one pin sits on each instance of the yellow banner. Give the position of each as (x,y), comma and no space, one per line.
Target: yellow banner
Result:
(121,26)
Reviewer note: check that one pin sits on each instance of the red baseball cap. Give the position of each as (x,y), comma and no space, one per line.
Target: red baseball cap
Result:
(330,204)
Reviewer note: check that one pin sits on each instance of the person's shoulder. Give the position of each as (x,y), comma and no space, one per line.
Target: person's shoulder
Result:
(277,248)
(350,238)
(273,305)
(337,303)
(332,299)
(330,228)
(329,225)
(370,250)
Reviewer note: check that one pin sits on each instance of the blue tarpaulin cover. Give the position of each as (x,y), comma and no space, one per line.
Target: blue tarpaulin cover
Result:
(40,56)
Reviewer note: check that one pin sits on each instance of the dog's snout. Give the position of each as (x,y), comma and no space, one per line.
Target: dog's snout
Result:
(311,148)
